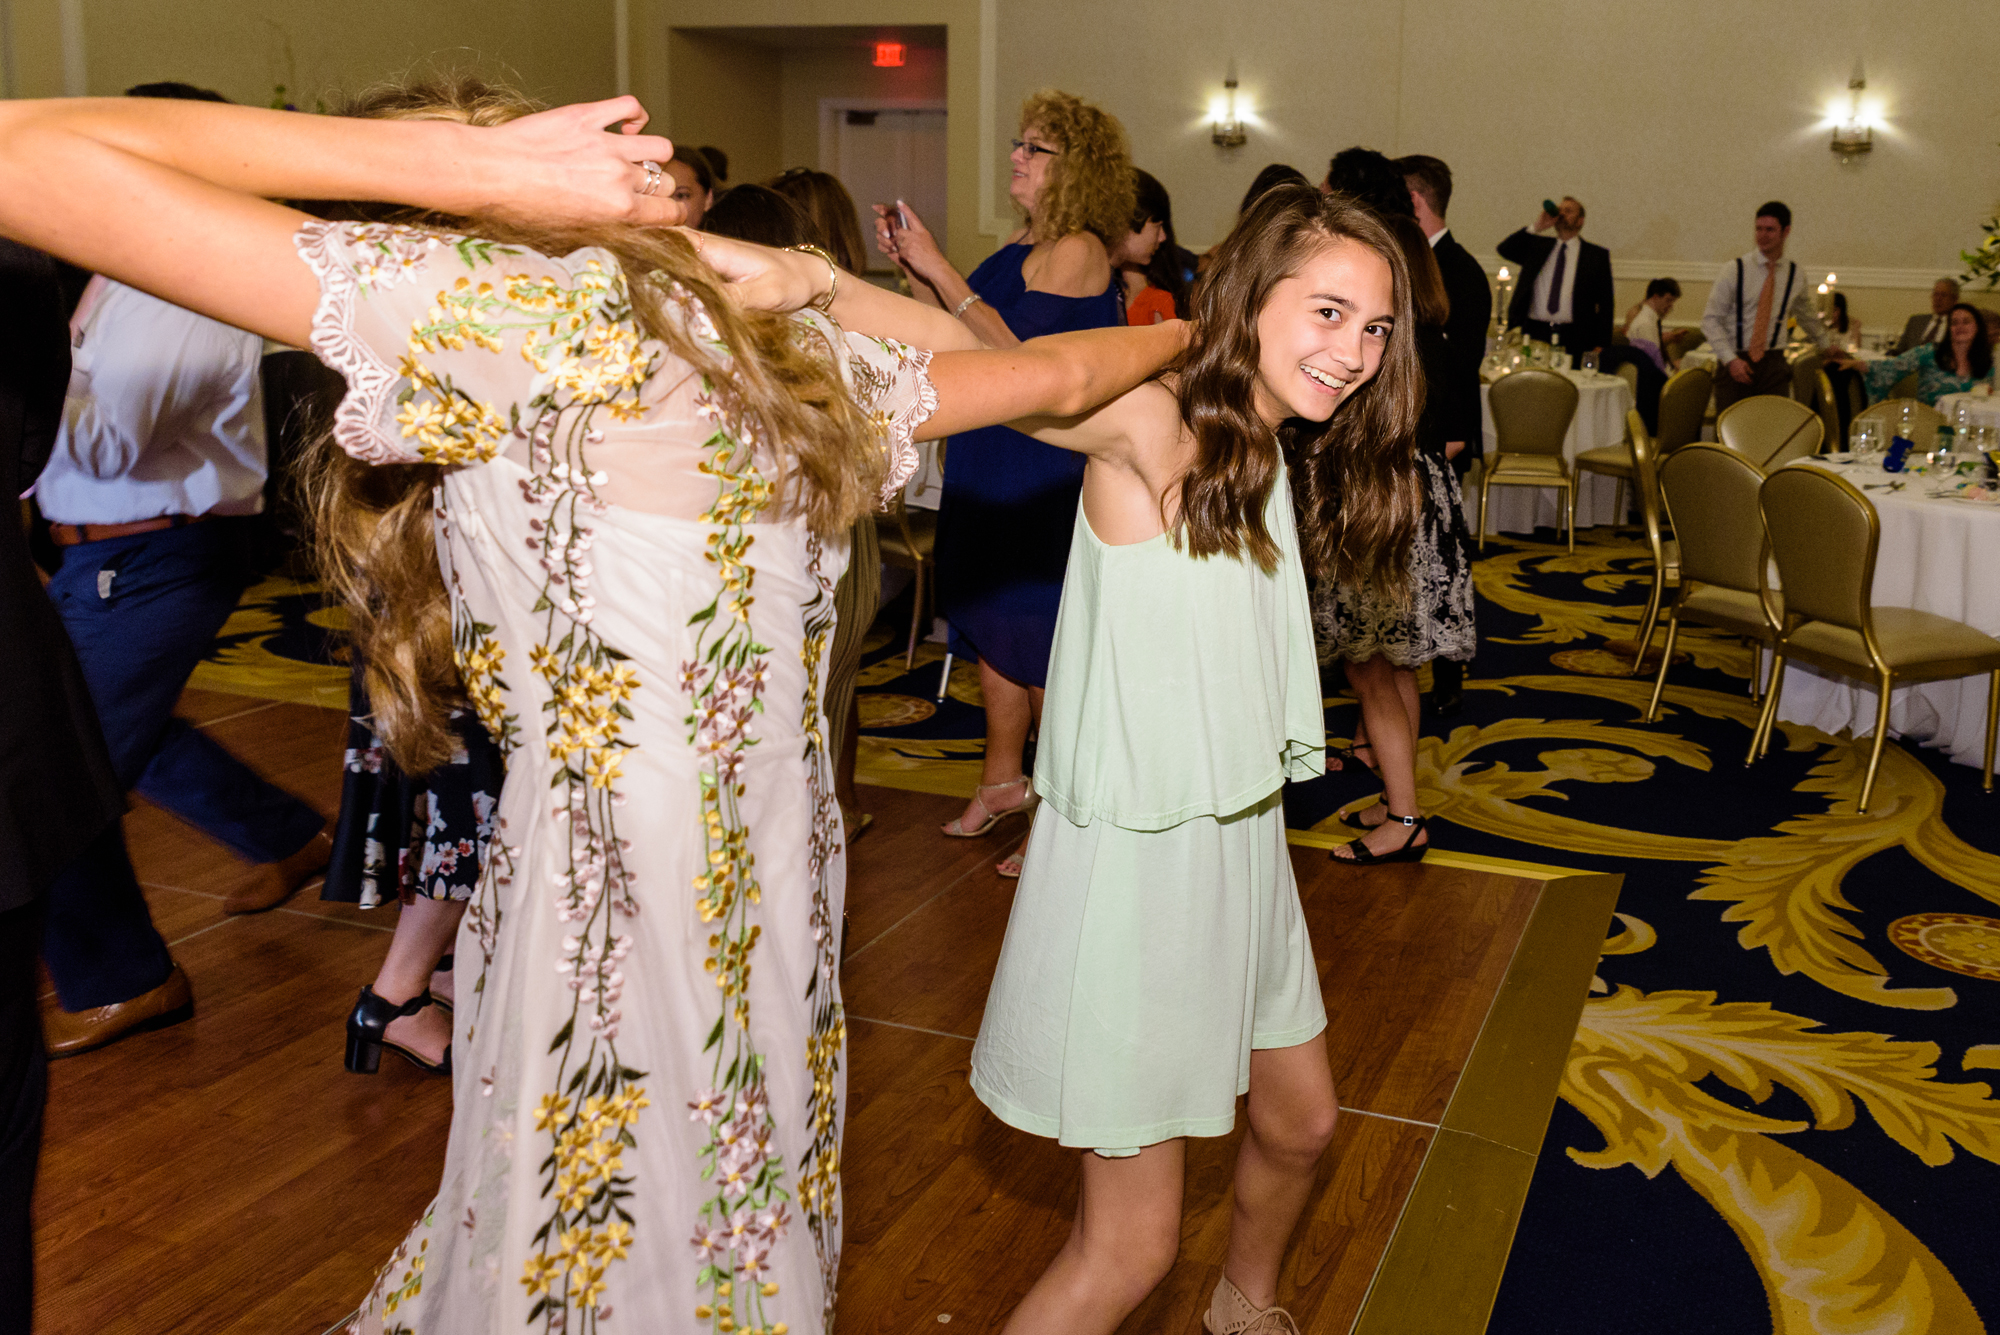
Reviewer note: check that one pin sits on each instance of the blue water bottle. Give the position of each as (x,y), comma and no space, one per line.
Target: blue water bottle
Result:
(1899,450)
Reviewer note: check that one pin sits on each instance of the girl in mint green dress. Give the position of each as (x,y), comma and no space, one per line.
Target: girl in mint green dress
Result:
(1157,963)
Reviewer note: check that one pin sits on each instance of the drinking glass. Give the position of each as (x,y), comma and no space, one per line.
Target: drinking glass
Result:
(1865,439)
(1590,361)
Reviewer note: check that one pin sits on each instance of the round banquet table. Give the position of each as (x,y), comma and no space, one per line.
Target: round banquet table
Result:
(1602,401)
(1985,408)
(1936,555)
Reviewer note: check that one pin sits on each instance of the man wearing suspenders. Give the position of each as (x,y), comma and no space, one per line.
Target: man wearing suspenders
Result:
(1745,319)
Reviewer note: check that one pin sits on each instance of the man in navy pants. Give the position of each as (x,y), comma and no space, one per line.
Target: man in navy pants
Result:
(151,494)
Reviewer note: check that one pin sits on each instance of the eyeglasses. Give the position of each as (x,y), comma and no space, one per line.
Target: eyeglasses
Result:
(1033,149)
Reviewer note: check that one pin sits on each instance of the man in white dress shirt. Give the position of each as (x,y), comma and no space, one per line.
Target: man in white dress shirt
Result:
(1564,294)
(150,493)
(1745,318)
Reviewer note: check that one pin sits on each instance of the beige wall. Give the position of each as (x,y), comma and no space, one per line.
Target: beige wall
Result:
(811,75)
(243,48)
(1671,131)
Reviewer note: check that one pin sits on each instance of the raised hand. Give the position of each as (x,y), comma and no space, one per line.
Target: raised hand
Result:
(911,245)
(760,278)
(565,167)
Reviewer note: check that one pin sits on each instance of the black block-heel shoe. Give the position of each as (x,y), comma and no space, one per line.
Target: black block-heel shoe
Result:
(370,1021)
(1360,855)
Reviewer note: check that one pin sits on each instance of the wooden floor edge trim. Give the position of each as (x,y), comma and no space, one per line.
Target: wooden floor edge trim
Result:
(1441,1270)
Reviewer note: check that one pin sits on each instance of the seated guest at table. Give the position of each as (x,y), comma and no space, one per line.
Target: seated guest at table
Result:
(1745,316)
(1645,328)
(1564,295)
(1952,365)
(1927,326)
(1147,299)
(1845,328)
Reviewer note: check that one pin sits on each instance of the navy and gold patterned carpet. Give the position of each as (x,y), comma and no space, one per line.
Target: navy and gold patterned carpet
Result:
(1778,1113)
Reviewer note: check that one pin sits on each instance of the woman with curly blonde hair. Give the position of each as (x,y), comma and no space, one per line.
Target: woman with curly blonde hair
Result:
(1009,502)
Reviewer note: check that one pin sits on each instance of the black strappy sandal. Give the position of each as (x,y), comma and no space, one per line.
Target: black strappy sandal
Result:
(1360,855)
(370,1021)
(1350,755)
(1352,820)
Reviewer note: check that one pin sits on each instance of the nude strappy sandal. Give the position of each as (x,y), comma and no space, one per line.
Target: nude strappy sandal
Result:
(957,830)
(1230,1313)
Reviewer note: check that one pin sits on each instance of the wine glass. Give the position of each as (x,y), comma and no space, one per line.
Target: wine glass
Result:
(1864,439)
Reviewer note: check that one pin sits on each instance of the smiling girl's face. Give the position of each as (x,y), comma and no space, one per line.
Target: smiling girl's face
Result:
(1322,331)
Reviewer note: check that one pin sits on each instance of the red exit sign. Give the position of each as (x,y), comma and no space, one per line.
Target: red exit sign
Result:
(889,54)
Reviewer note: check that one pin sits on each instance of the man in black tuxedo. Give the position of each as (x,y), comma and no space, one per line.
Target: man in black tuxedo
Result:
(58,793)
(1564,292)
(1466,287)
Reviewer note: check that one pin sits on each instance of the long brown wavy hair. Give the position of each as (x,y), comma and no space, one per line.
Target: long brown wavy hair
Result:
(373,526)
(831,211)
(1354,479)
(1089,187)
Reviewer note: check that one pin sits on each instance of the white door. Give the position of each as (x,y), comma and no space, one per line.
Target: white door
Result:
(885,155)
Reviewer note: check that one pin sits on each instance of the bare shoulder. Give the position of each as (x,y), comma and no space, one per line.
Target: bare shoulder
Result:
(1076,266)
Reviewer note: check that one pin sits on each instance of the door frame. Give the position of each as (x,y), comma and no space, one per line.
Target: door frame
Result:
(829,107)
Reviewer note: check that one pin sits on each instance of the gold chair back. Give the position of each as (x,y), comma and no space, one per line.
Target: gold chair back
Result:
(1823,537)
(1629,373)
(1805,369)
(1683,404)
(1532,410)
(1711,492)
(1646,481)
(1924,419)
(1828,409)
(1770,430)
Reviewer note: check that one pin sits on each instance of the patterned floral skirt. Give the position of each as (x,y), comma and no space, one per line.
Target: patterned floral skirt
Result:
(1435,621)
(402,836)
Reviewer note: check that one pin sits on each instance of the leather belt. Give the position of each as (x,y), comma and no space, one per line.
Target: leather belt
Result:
(69,535)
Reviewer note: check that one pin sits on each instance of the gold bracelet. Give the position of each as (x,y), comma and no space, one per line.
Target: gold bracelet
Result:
(823,304)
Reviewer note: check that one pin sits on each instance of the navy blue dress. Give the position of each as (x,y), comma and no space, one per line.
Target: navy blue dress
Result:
(1009,504)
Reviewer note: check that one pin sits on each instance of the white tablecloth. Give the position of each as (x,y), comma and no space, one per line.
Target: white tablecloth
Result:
(1602,401)
(1985,408)
(1938,556)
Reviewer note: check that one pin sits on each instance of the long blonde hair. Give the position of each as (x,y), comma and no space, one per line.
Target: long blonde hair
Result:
(373,526)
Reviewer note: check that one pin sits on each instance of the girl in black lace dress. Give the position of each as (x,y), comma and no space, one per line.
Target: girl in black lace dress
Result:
(1384,641)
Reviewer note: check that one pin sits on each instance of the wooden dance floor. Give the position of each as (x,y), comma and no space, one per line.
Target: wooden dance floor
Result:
(226,1175)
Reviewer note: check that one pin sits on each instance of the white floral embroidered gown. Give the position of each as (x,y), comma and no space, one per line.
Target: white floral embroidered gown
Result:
(647,1107)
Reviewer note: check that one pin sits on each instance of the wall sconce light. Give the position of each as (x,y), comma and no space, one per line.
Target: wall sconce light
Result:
(1229,131)
(1854,125)
(889,55)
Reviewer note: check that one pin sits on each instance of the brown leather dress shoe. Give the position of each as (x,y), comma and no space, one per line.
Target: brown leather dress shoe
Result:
(276,882)
(70,1032)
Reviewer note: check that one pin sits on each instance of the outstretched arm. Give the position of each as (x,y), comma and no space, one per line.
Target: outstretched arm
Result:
(1041,383)
(788,280)
(175,197)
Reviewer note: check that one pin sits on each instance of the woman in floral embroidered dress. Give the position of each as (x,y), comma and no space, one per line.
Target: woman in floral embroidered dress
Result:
(639,489)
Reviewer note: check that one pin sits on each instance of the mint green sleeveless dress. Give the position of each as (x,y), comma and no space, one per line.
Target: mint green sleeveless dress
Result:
(1156,936)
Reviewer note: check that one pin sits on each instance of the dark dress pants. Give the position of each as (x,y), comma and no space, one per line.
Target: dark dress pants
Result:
(142,611)
(23,1091)
(1772,374)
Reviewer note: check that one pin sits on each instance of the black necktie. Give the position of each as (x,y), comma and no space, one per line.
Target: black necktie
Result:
(1556,282)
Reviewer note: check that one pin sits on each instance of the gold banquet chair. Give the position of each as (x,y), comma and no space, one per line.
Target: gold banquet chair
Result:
(1645,458)
(1824,535)
(1614,461)
(1827,405)
(1770,430)
(1712,494)
(1683,408)
(1924,420)
(1532,411)
(909,540)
